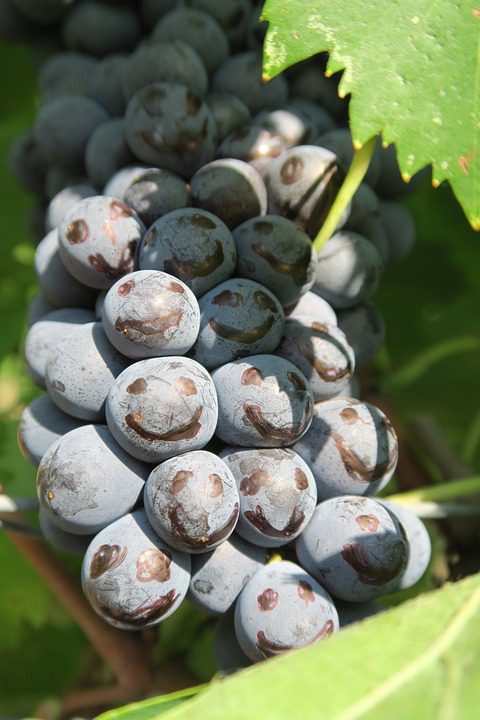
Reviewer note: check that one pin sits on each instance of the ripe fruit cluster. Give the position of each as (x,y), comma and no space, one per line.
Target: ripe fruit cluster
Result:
(202,410)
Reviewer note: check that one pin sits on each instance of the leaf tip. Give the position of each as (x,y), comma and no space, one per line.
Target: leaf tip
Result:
(357,144)
(475,223)
(406,177)
(435,182)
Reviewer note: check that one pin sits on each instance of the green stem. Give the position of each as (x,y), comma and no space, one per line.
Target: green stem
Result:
(355,175)
(442,511)
(472,439)
(439,493)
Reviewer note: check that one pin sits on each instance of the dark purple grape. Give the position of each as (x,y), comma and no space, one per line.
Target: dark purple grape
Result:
(107,151)
(149,313)
(239,317)
(199,30)
(321,352)
(254,145)
(130,577)
(98,240)
(41,424)
(194,245)
(161,407)
(241,75)
(192,501)
(85,480)
(348,270)
(264,401)
(57,284)
(174,62)
(231,15)
(167,125)
(230,189)
(302,184)
(364,328)
(80,371)
(282,608)
(219,576)
(153,10)
(229,112)
(100,29)
(276,253)
(351,448)
(44,335)
(155,193)
(307,80)
(354,547)
(277,494)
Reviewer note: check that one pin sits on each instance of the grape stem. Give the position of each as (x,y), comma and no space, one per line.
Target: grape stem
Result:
(17,504)
(439,493)
(355,175)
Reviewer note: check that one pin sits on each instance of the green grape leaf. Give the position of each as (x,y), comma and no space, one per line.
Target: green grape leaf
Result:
(150,708)
(418,660)
(412,68)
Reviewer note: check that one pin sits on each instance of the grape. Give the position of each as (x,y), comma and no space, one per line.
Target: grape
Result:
(199,30)
(192,501)
(238,318)
(256,30)
(314,305)
(254,145)
(365,203)
(241,75)
(26,163)
(348,270)
(66,73)
(230,189)
(161,407)
(352,389)
(43,12)
(231,15)
(85,480)
(399,227)
(15,27)
(373,229)
(100,29)
(277,494)
(281,608)
(302,184)
(354,547)
(80,371)
(41,424)
(130,577)
(59,287)
(64,200)
(167,125)
(63,127)
(107,83)
(264,401)
(229,112)
(307,80)
(194,245)
(98,240)
(38,307)
(228,654)
(290,123)
(350,447)
(314,112)
(57,178)
(153,10)
(154,193)
(353,612)
(219,576)
(277,253)
(418,540)
(106,151)
(44,335)
(120,181)
(60,539)
(321,352)
(339,141)
(174,63)
(149,313)
(364,328)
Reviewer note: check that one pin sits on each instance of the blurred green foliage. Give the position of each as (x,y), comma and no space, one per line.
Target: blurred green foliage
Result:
(428,300)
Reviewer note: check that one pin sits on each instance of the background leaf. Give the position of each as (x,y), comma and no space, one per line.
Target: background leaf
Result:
(151,708)
(418,660)
(412,68)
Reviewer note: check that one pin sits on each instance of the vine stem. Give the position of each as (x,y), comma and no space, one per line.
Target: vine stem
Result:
(439,493)
(353,178)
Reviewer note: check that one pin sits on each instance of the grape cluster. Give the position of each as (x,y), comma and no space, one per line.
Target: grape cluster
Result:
(202,412)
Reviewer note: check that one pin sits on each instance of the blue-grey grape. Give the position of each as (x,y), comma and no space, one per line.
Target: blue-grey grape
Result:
(85,480)
(100,29)
(312,304)
(253,144)
(354,547)
(64,200)
(38,307)
(277,494)
(131,577)
(26,163)
(227,652)
(120,181)
(264,401)
(106,151)
(290,123)
(219,576)
(229,112)
(351,448)
(61,539)
(339,141)
(107,83)
(239,317)
(155,193)
(353,612)
(231,15)
(282,608)
(364,328)
(418,540)
(161,407)
(192,502)
(399,228)
(149,313)
(66,73)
